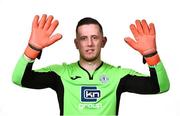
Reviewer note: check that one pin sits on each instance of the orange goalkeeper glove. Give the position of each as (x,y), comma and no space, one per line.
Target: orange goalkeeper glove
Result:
(41,35)
(145,41)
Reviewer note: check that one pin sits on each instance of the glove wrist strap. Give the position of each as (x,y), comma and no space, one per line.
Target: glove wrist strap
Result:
(150,55)
(34,48)
(153,60)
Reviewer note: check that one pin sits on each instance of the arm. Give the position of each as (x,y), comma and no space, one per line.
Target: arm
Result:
(24,76)
(145,44)
(157,82)
(41,37)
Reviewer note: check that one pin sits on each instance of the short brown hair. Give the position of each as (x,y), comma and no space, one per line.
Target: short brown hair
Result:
(89,20)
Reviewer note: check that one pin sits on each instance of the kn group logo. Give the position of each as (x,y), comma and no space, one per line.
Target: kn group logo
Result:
(90,94)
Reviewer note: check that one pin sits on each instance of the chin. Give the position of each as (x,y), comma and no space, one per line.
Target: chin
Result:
(90,59)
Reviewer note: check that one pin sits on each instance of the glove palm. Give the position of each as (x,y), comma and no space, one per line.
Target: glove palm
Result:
(42,31)
(144,37)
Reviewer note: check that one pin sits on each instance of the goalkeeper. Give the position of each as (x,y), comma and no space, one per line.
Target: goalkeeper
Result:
(90,86)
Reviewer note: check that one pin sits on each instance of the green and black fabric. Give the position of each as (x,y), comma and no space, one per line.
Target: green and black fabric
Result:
(80,92)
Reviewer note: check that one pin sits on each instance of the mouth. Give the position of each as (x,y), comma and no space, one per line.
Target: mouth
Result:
(90,51)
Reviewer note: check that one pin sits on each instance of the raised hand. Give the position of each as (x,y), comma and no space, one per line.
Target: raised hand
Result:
(41,35)
(145,40)
(144,35)
(42,31)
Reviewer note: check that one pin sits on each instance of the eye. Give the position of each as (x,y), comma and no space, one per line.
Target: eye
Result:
(83,38)
(94,37)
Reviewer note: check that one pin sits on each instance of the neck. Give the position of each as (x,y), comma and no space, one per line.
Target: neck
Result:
(90,65)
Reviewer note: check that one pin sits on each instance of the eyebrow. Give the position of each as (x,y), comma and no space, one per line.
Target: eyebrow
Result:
(91,36)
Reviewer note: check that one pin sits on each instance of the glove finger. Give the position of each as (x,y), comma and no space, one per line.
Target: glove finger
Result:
(53,27)
(131,42)
(48,22)
(54,38)
(134,31)
(42,21)
(152,29)
(35,21)
(139,27)
(145,27)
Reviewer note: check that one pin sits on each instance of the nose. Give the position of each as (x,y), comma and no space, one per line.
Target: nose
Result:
(90,42)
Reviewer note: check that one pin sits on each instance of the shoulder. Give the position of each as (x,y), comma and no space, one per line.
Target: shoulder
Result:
(118,69)
(60,66)
(64,67)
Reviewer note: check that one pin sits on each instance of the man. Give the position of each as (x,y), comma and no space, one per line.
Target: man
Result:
(90,86)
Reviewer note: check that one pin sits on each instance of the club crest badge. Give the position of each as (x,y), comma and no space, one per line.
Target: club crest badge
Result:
(104,79)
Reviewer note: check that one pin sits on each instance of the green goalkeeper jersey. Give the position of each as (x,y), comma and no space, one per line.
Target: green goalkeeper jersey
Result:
(95,93)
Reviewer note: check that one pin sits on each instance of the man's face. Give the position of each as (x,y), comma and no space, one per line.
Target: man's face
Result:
(89,40)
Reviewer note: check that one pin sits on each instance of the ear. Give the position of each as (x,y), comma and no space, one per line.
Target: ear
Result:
(76,43)
(104,40)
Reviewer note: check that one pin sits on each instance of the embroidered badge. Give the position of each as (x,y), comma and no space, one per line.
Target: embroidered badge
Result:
(104,79)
